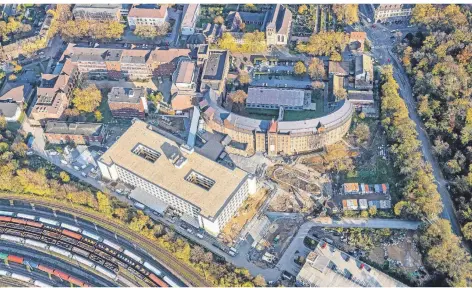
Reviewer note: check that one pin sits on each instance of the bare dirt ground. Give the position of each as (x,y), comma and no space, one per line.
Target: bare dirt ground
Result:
(243,216)
(292,202)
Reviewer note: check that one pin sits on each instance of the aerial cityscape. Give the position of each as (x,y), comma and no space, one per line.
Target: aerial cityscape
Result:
(235,144)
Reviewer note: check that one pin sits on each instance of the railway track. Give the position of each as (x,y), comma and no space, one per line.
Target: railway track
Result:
(168,260)
(9,282)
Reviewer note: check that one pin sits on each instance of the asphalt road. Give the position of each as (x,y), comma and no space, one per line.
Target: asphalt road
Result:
(382,52)
(53,262)
(24,207)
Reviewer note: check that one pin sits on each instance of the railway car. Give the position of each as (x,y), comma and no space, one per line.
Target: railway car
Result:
(158,281)
(15,259)
(126,259)
(71,227)
(85,246)
(102,254)
(64,245)
(25,216)
(91,235)
(21,277)
(84,261)
(111,266)
(18,221)
(4,273)
(33,229)
(76,281)
(34,224)
(31,263)
(37,244)
(30,235)
(106,272)
(3,256)
(69,240)
(5,218)
(81,252)
(48,240)
(60,251)
(52,228)
(15,232)
(51,234)
(6,213)
(12,238)
(133,256)
(61,274)
(170,282)
(38,283)
(48,221)
(120,263)
(107,249)
(125,281)
(135,273)
(97,259)
(112,245)
(152,269)
(45,269)
(71,234)
(89,241)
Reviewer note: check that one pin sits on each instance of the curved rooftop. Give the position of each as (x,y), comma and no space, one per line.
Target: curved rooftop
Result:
(337,117)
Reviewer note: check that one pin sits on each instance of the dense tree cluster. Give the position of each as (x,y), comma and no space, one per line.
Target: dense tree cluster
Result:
(443,253)
(34,176)
(346,13)
(11,27)
(151,32)
(440,67)
(324,43)
(420,195)
(252,42)
(100,30)
(88,99)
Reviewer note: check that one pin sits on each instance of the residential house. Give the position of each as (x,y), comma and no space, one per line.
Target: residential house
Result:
(16,92)
(98,12)
(57,132)
(392,12)
(364,72)
(54,92)
(184,85)
(127,102)
(357,40)
(10,111)
(215,71)
(189,19)
(361,99)
(147,15)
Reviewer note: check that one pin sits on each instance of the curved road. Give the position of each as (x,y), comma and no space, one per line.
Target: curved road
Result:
(382,51)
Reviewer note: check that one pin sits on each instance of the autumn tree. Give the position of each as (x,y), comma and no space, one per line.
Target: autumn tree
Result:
(227,42)
(145,31)
(340,93)
(98,116)
(346,13)
(324,43)
(155,97)
(65,178)
(316,68)
(3,122)
(299,68)
(88,99)
(238,97)
(244,78)
(362,133)
(254,42)
(104,205)
(302,9)
(219,20)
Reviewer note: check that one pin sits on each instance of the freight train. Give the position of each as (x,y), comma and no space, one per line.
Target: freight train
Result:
(87,248)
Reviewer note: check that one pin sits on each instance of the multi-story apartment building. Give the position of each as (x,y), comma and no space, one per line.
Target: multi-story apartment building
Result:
(54,92)
(57,132)
(147,15)
(277,137)
(98,12)
(392,12)
(189,19)
(204,191)
(127,102)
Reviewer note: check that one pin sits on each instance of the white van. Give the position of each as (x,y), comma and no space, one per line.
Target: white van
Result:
(139,205)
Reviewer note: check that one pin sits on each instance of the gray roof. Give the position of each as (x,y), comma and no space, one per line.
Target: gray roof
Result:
(214,68)
(15,91)
(360,96)
(85,129)
(97,7)
(275,96)
(128,95)
(8,110)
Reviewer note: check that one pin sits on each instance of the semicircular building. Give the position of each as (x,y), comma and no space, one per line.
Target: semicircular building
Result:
(278,137)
